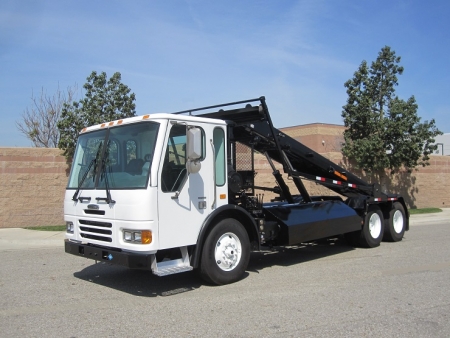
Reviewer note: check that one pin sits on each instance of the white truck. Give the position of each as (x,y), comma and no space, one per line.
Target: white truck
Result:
(176,192)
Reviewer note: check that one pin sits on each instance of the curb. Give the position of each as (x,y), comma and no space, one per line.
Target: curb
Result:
(423,219)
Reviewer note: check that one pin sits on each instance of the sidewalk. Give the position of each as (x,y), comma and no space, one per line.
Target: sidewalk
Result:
(423,219)
(17,238)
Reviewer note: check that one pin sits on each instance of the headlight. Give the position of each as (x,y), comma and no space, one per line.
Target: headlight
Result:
(137,236)
(127,236)
(69,227)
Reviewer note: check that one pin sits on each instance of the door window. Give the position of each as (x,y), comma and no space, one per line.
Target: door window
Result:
(219,147)
(174,168)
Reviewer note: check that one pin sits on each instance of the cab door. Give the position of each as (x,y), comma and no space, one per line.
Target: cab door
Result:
(184,199)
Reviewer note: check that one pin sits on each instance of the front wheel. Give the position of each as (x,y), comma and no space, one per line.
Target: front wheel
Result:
(226,253)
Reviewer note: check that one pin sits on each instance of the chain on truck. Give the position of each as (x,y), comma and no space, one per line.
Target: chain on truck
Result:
(176,192)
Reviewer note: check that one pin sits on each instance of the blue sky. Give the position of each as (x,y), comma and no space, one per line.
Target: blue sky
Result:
(176,55)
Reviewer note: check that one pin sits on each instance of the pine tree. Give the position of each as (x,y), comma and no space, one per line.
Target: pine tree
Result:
(382,130)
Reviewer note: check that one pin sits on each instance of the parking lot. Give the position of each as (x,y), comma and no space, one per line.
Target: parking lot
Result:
(326,289)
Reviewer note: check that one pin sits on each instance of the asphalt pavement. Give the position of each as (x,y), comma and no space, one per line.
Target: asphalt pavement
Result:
(18,238)
(324,289)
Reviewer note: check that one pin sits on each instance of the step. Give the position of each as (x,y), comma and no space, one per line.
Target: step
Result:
(170,267)
(172,270)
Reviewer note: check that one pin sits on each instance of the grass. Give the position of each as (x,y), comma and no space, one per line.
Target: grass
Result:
(48,228)
(424,211)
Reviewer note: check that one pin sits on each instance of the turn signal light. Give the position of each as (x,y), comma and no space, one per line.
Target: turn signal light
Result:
(146,237)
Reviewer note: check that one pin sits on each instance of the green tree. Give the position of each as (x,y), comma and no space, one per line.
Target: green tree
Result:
(382,130)
(105,100)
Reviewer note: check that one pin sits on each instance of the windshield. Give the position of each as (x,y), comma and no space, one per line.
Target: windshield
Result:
(115,158)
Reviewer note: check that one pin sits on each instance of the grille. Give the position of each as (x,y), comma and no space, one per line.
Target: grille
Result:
(244,157)
(244,161)
(99,231)
(94,212)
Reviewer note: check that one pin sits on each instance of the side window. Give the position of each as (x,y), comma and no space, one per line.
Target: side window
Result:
(131,150)
(174,168)
(112,154)
(219,147)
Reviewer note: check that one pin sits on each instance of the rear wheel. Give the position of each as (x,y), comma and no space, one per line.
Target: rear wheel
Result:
(226,253)
(397,223)
(371,233)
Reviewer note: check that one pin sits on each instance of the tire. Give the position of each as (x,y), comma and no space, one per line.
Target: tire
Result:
(397,224)
(371,234)
(226,253)
(373,228)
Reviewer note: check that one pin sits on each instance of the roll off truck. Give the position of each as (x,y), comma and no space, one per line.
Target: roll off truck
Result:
(176,192)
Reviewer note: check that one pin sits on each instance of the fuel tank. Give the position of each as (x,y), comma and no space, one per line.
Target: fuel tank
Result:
(307,222)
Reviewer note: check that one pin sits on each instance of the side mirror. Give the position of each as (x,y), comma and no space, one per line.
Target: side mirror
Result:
(193,149)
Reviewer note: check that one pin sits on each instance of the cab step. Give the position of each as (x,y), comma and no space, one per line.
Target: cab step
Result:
(170,267)
(171,270)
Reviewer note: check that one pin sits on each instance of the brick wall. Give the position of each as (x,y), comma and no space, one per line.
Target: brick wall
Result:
(33,180)
(32,184)
(430,186)
(320,137)
(426,187)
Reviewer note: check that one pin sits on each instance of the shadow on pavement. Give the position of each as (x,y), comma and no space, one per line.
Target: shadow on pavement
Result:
(297,254)
(145,284)
(139,282)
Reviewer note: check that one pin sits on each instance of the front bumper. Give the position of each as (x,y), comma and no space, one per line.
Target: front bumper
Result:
(107,255)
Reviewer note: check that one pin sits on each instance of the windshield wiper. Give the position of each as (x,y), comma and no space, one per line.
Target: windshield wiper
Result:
(94,161)
(75,196)
(108,198)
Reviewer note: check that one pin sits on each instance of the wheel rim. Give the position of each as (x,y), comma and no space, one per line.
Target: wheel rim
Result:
(228,251)
(375,225)
(397,221)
